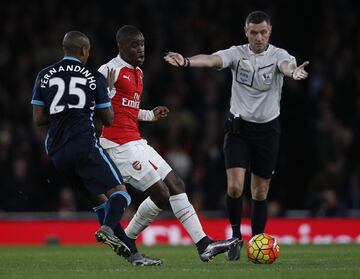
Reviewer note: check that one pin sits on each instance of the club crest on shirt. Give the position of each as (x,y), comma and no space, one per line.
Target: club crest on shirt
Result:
(136,165)
(267,78)
(137,97)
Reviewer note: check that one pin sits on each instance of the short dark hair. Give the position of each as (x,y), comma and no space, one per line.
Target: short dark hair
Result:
(257,17)
(125,32)
(74,41)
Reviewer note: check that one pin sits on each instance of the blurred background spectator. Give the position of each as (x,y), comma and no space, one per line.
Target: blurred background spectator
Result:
(319,164)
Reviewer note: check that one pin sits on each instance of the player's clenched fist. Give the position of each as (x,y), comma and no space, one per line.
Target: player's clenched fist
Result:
(160,112)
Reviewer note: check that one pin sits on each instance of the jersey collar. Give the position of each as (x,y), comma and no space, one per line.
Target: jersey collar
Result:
(68,57)
(262,53)
(122,61)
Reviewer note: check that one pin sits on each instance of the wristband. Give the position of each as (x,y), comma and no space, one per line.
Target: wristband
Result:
(186,63)
(292,74)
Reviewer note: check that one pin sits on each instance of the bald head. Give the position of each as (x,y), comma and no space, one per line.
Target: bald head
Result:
(75,43)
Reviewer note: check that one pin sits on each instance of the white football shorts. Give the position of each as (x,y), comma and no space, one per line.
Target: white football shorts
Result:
(139,164)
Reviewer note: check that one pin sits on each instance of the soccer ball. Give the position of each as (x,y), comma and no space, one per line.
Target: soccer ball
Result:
(263,248)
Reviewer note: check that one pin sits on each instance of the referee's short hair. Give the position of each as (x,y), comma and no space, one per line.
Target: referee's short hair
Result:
(257,17)
(125,32)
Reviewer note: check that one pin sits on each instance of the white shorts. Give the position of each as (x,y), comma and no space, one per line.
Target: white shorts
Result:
(139,164)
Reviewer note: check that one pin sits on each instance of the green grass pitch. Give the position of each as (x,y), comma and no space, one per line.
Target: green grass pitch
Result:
(65,262)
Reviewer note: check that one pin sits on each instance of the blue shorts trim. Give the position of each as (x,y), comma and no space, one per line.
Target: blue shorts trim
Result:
(46,143)
(124,194)
(101,206)
(108,162)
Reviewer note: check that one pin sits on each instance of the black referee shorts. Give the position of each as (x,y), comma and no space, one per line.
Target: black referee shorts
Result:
(253,146)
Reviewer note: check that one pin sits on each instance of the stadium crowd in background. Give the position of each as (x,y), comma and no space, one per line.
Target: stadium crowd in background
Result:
(319,162)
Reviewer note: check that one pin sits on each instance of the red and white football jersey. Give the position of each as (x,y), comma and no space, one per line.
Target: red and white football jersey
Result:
(126,97)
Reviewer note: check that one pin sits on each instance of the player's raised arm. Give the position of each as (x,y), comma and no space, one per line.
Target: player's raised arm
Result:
(110,78)
(197,61)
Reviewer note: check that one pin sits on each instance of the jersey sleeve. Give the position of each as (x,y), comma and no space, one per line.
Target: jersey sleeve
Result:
(282,55)
(102,100)
(146,115)
(36,94)
(227,56)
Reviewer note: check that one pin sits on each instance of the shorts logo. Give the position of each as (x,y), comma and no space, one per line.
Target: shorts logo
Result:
(136,165)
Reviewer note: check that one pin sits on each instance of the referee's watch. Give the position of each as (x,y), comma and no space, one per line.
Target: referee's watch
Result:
(292,74)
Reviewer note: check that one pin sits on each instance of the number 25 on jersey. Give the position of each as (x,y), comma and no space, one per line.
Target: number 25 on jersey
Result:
(73,90)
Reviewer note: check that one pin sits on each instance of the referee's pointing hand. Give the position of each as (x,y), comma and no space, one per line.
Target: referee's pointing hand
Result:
(299,72)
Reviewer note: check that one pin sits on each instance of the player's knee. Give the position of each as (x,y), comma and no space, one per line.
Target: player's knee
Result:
(235,190)
(165,195)
(180,186)
(118,188)
(260,193)
(161,197)
(176,186)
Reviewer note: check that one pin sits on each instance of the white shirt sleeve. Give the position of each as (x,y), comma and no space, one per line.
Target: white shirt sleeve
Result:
(146,115)
(227,56)
(282,55)
(103,70)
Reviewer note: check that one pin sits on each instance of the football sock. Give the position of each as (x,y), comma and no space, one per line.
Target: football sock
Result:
(100,212)
(186,214)
(234,206)
(115,208)
(132,246)
(143,217)
(258,216)
(120,234)
(203,243)
(118,230)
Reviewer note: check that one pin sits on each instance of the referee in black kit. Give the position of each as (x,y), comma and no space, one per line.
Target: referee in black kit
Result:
(252,131)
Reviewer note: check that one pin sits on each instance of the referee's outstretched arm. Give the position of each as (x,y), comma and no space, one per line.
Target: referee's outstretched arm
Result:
(199,61)
(291,70)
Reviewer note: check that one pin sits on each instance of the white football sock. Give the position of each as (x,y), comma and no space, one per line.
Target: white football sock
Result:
(143,217)
(186,214)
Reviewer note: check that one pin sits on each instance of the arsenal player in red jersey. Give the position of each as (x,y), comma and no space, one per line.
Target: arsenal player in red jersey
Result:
(140,165)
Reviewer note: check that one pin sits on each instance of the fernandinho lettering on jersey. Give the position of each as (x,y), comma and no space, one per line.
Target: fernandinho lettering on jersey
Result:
(69,68)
